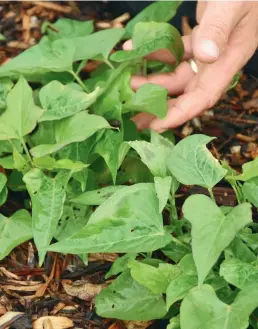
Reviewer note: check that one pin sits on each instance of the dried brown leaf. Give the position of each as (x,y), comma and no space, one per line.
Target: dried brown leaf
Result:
(106,257)
(83,290)
(137,324)
(53,322)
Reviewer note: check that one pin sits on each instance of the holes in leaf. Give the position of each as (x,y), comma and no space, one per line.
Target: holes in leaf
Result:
(98,192)
(132,230)
(113,306)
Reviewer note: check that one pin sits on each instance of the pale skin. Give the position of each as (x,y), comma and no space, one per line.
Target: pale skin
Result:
(224,40)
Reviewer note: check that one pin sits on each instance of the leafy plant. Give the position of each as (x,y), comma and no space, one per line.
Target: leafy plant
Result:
(96,184)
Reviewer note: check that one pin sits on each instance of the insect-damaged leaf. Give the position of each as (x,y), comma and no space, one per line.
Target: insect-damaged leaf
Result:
(47,196)
(69,28)
(45,57)
(202,309)
(126,299)
(129,221)
(212,231)
(96,197)
(14,230)
(76,128)
(149,37)
(161,11)
(60,101)
(21,115)
(192,164)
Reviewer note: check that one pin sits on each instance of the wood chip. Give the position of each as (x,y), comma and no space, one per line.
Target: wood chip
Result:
(106,257)
(23,288)
(26,28)
(253,103)
(246,139)
(53,322)
(40,292)
(121,19)
(9,318)
(137,324)
(8,274)
(18,45)
(53,6)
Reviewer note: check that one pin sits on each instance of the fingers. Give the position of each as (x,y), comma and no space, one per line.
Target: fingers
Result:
(163,55)
(204,89)
(210,38)
(143,120)
(175,82)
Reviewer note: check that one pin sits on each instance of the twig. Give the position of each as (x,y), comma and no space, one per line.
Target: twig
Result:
(53,6)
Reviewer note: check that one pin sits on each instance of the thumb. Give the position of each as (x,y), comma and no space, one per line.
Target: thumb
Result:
(211,36)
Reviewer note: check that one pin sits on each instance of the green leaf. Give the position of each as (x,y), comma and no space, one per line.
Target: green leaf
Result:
(7,162)
(161,11)
(97,197)
(108,147)
(6,85)
(125,299)
(3,189)
(47,162)
(249,237)
(238,249)
(212,231)
(73,218)
(7,146)
(120,265)
(155,154)
(149,37)
(174,323)
(14,231)
(202,309)
(150,98)
(60,101)
(130,216)
(192,164)
(239,273)
(250,170)
(20,162)
(45,57)
(20,105)
(47,196)
(156,279)
(162,187)
(250,190)
(135,170)
(69,130)
(69,28)
(176,249)
(97,45)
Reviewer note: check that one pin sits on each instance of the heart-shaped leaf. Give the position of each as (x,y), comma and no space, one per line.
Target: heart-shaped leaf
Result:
(192,164)
(131,216)
(14,230)
(212,230)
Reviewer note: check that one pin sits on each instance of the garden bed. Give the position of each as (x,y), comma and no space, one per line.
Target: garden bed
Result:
(106,172)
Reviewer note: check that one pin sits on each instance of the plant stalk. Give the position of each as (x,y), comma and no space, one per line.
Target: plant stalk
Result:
(211,194)
(77,78)
(26,151)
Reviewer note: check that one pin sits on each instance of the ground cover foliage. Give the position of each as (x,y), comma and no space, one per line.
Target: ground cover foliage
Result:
(95,184)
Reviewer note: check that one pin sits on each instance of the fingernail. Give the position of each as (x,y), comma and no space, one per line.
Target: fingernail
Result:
(209,48)
(128,45)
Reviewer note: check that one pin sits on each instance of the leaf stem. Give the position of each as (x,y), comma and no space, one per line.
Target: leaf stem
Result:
(81,66)
(109,64)
(211,194)
(26,151)
(77,78)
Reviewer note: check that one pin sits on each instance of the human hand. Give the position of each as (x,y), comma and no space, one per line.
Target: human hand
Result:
(222,43)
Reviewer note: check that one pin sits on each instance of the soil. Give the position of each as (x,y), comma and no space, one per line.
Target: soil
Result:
(36,292)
